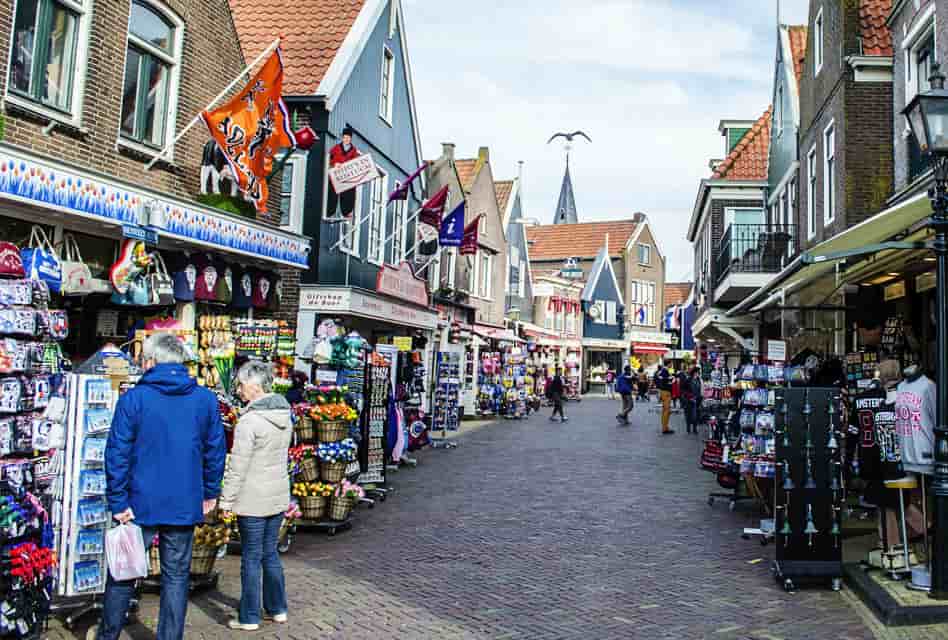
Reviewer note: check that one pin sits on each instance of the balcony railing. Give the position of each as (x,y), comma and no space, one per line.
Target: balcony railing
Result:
(755,248)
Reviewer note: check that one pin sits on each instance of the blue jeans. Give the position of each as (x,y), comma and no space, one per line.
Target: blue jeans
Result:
(258,554)
(174,546)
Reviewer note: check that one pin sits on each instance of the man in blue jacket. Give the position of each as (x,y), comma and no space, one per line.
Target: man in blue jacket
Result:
(164,463)
(624,386)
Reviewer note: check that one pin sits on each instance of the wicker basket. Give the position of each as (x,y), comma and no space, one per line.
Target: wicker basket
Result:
(332,431)
(333,471)
(313,508)
(203,559)
(305,430)
(284,529)
(339,508)
(309,470)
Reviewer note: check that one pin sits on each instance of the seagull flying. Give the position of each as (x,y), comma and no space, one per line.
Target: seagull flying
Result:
(569,136)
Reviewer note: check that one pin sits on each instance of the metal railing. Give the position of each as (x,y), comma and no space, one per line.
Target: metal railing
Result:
(755,248)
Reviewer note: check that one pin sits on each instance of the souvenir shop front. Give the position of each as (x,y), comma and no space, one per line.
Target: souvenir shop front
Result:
(547,352)
(600,355)
(504,388)
(651,347)
(90,266)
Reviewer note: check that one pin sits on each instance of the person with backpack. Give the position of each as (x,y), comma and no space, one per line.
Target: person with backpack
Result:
(624,386)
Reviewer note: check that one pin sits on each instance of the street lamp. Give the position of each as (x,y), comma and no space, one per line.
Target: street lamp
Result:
(927,115)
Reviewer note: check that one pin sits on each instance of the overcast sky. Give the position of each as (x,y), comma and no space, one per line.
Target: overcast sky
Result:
(648,80)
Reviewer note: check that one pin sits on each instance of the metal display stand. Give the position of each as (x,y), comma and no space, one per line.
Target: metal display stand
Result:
(808,486)
(447,398)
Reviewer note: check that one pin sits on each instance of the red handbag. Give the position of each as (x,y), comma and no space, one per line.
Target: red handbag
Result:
(11,264)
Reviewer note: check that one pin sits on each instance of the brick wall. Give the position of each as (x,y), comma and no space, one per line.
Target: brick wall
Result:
(868,151)
(211,58)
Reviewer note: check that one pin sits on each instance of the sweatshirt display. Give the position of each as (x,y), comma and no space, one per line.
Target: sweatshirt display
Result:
(915,423)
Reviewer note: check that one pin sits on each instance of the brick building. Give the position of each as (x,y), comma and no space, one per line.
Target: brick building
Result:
(89,98)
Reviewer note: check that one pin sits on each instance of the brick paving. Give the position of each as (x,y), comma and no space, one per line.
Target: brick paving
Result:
(540,530)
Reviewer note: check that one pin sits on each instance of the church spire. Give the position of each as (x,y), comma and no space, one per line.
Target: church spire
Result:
(566,207)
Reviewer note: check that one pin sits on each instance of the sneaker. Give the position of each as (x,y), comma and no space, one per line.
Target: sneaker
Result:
(564,419)
(279,618)
(237,625)
(552,418)
(668,433)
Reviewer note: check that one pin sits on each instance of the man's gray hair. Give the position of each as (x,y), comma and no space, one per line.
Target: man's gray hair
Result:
(256,372)
(164,348)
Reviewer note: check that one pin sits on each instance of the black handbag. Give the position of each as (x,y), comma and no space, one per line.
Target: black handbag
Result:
(160,284)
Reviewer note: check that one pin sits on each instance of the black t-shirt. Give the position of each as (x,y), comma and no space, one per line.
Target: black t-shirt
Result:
(874,420)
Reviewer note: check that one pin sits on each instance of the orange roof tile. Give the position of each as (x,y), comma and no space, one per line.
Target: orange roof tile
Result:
(312,30)
(503,188)
(876,37)
(676,292)
(748,158)
(467,172)
(798,48)
(580,240)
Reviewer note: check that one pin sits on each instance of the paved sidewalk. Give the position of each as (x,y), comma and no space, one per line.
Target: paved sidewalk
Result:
(540,530)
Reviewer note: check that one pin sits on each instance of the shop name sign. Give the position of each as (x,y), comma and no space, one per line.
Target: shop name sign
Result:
(353,173)
(347,301)
(650,336)
(138,233)
(401,282)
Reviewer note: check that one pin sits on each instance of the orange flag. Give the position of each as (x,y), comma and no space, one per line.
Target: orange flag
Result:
(252,128)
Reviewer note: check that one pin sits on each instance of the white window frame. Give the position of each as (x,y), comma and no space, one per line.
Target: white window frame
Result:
(392,18)
(485,263)
(812,179)
(522,283)
(818,42)
(354,246)
(387,92)
(829,178)
(571,323)
(547,315)
(778,111)
(648,254)
(174,81)
(297,164)
(399,231)
(72,117)
(452,264)
(911,43)
(375,252)
(434,273)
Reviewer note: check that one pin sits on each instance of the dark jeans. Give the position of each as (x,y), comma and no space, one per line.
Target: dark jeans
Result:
(557,399)
(345,201)
(627,405)
(174,546)
(691,414)
(258,549)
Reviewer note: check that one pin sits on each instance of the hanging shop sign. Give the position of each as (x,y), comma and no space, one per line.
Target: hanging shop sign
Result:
(348,301)
(776,350)
(894,291)
(650,336)
(353,173)
(603,343)
(925,282)
(401,282)
(138,233)
(402,343)
(59,187)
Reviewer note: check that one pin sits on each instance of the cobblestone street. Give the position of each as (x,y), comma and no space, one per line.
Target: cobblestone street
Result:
(535,530)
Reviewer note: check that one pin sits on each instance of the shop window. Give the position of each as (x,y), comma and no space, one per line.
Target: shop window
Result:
(399,231)
(152,65)
(292,193)
(386,91)
(829,171)
(18,231)
(571,323)
(376,251)
(46,57)
(642,302)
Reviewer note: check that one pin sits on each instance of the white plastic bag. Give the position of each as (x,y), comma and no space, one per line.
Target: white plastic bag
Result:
(125,552)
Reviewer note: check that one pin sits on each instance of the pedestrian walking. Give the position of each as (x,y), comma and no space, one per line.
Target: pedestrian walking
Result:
(554,391)
(663,382)
(625,385)
(675,390)
(257,490)
(643,384)
(164,461)
(692,399)
(611,383)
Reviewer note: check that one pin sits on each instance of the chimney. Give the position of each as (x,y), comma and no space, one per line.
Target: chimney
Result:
(714,164)
(447,150)
(638,217)
(483,154)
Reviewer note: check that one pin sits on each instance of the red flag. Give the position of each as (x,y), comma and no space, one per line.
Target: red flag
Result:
(433,209)
(469,242)
(252,127)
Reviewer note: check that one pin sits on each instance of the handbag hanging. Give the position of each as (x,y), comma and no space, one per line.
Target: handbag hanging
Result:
(40,260)
(136,293)
(11,264)
(76,276)
(160,283)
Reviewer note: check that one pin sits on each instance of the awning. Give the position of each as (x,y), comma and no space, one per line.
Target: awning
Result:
(331,300)
(642,347)
(493,333)
(537,331)
(878,228)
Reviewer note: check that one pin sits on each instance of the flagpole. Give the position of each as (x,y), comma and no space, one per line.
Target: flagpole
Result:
(227,89)
(362,220)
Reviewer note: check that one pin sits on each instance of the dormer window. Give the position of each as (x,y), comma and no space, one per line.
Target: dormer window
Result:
(818,43)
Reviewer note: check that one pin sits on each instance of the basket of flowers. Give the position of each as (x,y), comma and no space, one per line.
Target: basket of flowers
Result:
(208,539)
(334,457)
(303,463)
(331,414)
(344,497)
(313,498)
(305,429)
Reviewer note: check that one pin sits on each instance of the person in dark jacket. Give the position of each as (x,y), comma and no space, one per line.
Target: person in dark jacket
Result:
(624,386)
(554,391)
(691,396)
(164,462)
(296,393)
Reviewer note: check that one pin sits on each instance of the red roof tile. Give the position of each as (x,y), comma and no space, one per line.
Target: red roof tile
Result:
(676,292)
(467,172)
(580,240)
(503,188)
(748,158)
(876,37)
(798,48)
(312,30)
